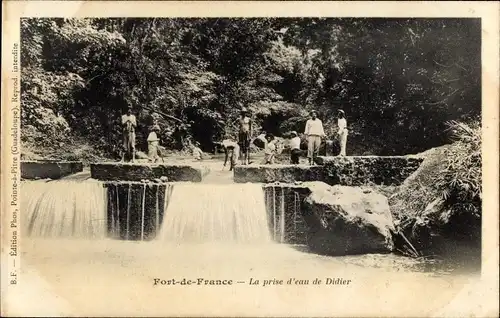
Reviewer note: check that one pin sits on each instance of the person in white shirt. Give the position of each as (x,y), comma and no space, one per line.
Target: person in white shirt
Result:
(314,132)
(342,124)
(294,144)
(129,123)
(153,142)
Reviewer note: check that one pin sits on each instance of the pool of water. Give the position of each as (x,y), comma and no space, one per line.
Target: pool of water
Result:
(108,277)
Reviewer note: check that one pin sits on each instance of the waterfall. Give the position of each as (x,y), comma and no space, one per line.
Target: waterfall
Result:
(208,212)
(69,209)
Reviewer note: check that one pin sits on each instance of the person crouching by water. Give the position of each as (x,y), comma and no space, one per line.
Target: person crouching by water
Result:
(245,135)
(153,142)
(270,150)
(129,124)
(314,132)
(231,151)
(342,124)
(294,144)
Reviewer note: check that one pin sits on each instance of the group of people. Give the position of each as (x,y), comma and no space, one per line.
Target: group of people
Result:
(234,149)
(314,133)
(129,125)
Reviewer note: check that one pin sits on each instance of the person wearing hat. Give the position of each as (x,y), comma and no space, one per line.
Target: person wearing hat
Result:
(314,132)
(294,147)
(245,135)
(231,151)
(129,123)
(342,124)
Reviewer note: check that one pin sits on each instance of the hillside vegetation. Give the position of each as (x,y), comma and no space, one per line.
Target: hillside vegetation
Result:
(442,199)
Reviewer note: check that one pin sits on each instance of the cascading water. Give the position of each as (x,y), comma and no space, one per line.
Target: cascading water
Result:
(210,213)
(64,209)
(285,218)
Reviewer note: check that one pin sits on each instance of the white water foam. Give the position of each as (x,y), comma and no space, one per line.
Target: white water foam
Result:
(202,213)
(68,209)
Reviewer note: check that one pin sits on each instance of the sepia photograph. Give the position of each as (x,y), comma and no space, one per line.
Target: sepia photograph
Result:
(246,166)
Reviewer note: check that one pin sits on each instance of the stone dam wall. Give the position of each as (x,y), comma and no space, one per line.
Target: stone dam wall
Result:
(347,171)
(146,171)
(32,170)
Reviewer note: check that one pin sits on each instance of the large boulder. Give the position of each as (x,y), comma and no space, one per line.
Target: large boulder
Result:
(346,220)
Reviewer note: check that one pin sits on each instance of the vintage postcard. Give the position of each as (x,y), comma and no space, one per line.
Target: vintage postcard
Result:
(250,159)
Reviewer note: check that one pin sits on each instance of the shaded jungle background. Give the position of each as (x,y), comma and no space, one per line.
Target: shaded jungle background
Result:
(398,80)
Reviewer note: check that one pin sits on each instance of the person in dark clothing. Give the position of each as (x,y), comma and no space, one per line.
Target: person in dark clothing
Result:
(245,135)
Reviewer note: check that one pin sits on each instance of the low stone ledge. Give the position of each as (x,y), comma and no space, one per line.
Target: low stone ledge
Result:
(49,169)
(146,171)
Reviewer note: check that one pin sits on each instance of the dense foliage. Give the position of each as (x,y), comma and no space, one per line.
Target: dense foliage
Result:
(398,80)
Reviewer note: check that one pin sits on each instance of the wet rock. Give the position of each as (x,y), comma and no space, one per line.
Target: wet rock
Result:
(142,172)
(346,220)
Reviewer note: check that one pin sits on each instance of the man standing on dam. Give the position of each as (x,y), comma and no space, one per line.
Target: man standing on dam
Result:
(244,135)
(314,132)
(129,124)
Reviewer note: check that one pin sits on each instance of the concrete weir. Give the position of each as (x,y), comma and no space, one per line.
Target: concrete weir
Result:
(114,171)
(348,171)
(52,169)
